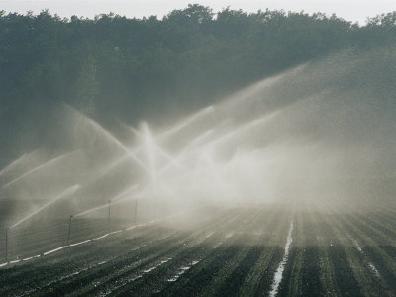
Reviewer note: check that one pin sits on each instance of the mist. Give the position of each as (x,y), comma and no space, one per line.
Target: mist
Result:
(203,154)
(322,132)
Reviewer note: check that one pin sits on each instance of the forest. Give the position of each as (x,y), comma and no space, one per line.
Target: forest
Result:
(132,69)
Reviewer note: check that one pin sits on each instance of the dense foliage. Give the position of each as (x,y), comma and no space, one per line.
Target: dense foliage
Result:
(115,67)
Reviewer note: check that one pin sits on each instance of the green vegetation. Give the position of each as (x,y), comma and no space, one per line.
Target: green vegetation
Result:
(130,69)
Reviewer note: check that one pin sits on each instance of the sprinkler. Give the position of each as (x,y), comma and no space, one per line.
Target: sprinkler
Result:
(69,230)
(6,243)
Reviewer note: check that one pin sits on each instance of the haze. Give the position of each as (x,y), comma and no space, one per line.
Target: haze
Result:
(211,152)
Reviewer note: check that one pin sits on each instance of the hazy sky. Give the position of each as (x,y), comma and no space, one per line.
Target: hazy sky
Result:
(353,10)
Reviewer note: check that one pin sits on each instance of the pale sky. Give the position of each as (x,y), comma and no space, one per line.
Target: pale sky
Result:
(352,10)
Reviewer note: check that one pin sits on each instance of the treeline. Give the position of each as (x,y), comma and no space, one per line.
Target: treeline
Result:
(112,66)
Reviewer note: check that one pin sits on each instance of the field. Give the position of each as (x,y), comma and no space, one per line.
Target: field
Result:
(234,252)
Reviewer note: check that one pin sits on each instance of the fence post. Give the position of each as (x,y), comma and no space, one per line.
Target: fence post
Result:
(69,230)
(6,243)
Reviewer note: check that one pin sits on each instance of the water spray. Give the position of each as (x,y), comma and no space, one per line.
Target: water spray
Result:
(38,168)
(129,154)
(66,193)
(201,114)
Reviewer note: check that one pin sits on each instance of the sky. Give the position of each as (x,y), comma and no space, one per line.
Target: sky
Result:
(351,10)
